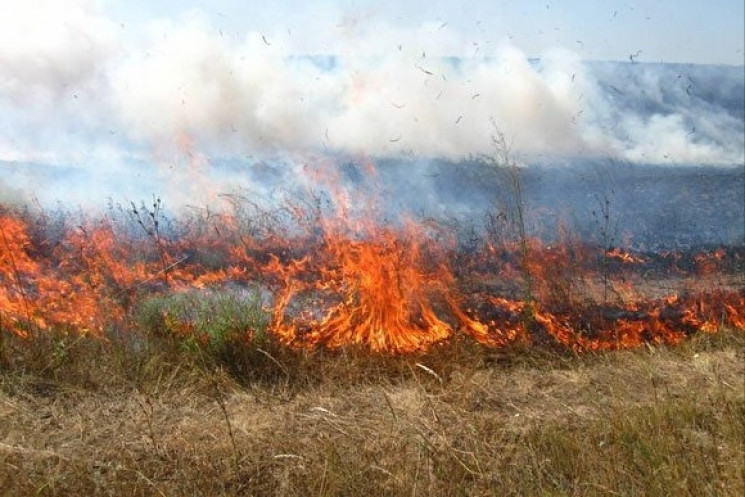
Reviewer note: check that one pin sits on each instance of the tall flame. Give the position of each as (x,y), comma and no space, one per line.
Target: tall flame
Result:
(338,283)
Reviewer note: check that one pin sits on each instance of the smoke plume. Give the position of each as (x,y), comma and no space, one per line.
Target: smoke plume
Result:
(79,90)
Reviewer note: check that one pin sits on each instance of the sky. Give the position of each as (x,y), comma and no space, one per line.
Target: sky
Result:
(103,97)
(690,31)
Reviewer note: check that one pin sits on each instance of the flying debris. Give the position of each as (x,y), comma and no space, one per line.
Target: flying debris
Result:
(429,73)
(394,140)
(475,96)
(690,85)
(265,41)
(459,119)
(634,56)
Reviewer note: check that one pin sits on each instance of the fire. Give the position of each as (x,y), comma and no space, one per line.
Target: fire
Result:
(379,294)
(623,256)
(345,281)
(15,266)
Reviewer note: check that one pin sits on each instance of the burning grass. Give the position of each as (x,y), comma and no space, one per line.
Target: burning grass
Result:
(305,351)
(337,283)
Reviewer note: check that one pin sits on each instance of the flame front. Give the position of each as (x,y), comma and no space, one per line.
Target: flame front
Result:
(378,294)
(385,289)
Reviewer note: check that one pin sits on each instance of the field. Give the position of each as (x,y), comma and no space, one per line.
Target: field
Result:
(461,420)
(315,349)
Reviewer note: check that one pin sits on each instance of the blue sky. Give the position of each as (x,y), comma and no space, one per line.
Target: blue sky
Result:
(692,31)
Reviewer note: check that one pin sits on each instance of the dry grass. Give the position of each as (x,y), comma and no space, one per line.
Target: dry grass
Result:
(461,420)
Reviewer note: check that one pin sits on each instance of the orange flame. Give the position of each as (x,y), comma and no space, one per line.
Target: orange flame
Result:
(342,283)
(379,295)
(623,256)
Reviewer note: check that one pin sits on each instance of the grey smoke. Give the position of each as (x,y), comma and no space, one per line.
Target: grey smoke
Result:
(168,103)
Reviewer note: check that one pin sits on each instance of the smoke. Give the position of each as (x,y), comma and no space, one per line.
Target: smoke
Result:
(11,196)
(54,84)
(49,48)
(421,92)
(253,95)
(77,89)
(669,113)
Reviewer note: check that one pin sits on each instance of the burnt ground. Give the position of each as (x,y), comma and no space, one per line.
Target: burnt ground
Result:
(648,207)
(654,208)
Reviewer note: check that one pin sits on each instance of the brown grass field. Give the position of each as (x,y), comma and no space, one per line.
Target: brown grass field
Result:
(80,417)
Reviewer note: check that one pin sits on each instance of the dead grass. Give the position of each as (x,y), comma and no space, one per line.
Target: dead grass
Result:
(461,420)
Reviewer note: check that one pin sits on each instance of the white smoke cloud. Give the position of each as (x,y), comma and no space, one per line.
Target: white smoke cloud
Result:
(50,47)
(75,87)
(401,101)
(390,91)
(656,114)
(662,138)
